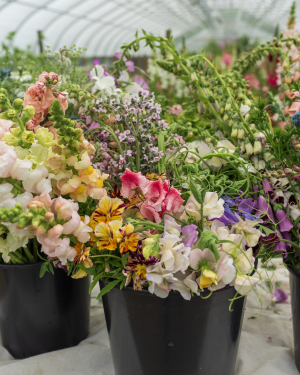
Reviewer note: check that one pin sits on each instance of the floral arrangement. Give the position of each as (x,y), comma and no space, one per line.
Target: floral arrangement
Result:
(47,179)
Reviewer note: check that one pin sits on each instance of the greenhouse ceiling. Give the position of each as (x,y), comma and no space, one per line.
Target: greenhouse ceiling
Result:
(103,25)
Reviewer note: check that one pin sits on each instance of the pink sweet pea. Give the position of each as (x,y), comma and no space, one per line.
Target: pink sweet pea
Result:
(131,182)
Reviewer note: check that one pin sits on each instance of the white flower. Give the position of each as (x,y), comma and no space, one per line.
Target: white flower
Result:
(226,144)
(245,261)
(174,255)
(5,193)
(36,182)
(198,255)
(4,250)
(225,270)
(21,169)
(212,208)
(171,226)
(160,279)
(7,159)
(244,109)
(243,284)
(64,251)
(102,82)
(246,228)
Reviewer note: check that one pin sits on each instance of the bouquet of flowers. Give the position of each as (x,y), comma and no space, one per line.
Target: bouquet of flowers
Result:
(47,181)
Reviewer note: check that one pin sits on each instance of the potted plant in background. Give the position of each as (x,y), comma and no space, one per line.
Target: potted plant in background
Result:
(47,187)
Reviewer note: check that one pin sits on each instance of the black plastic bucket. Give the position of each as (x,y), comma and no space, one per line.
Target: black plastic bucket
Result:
(295,302)
(39,315)
(151,335)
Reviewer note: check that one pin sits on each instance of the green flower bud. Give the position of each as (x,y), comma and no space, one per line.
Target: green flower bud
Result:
(11,113)
(17,104)
(11,140)
(28,113)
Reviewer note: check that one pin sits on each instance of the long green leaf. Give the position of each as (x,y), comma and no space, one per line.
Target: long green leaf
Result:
(94,282)
(108,287)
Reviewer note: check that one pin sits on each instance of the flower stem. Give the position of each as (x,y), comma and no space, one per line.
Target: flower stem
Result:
(29,255)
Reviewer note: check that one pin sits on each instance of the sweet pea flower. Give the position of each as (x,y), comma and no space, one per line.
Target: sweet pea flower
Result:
(160,279)
(212,208)
(171,226)
(102,82)
(243,284)
(245,261)
(225,271)
(246,228)
(197,256)
(190,235)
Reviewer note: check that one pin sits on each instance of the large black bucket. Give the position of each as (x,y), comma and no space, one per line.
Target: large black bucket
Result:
(295,302)
(39,315)
(150,335)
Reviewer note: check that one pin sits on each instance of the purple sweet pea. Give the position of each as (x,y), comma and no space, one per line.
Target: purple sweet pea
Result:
(228,218)
(230,202)
(129,63)
(285,224)
(94,124)
(140,81)
(264,208)
(190,235)
(96,62)
(280,295)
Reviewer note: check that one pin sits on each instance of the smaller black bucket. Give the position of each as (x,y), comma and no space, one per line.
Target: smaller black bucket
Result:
(295,302)
(155,336)
(39,315)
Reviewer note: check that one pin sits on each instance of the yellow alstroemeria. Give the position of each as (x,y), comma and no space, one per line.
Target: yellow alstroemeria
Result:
(83,257)
(109,209)
(130,240)
(208,278)
(109,235)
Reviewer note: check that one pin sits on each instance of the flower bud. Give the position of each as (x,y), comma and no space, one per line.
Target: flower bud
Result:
(11,113)
(257,147)
(194,77)
(49,217)
(249,149)
(28,113)
(288,80)
(288,171)
(234,131)
(241,132)
(17,104)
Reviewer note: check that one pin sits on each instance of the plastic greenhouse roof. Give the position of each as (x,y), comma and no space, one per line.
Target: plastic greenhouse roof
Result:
(102,25)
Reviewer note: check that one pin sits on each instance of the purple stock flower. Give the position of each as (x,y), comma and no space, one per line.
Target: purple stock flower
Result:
(140,81)
(284,222)
(190,235)
(280,295)
(264,208)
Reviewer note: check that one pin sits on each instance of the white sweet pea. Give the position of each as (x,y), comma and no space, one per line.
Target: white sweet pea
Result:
(102,82)
(245,261)
(246,228)
(212,208)
(160,279)
(243,284)
(198,255)
(182,288)
(174,256)
(226,144)
(225,270)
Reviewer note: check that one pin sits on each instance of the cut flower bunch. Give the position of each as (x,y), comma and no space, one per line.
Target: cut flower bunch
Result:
(47,180)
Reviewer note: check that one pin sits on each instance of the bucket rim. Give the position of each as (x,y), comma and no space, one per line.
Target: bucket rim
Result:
(293,270)
(20,266)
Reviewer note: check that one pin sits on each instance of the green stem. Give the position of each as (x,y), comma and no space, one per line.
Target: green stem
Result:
(21,256)
(20,123)
(16,259)
(29,255)
(35,249)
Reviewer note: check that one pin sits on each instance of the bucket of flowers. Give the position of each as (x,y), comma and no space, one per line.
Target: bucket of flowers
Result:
(174,241)
(47,188)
